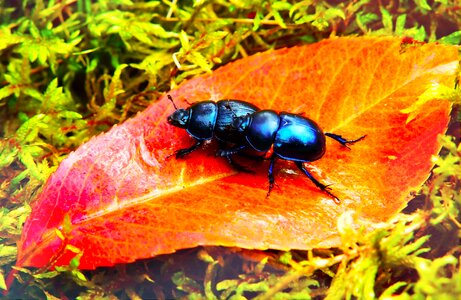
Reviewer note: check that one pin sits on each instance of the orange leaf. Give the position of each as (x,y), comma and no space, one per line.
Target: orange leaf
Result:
(126,200)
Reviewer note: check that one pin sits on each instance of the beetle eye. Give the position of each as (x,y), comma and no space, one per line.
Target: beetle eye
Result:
(179,118)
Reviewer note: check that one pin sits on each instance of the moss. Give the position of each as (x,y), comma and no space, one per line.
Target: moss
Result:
(70,70)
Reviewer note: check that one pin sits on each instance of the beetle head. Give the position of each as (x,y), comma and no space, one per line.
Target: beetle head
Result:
(180,118)
(240,124)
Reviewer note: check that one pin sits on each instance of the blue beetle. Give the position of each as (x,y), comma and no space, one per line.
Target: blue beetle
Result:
(292,137)
(205,120)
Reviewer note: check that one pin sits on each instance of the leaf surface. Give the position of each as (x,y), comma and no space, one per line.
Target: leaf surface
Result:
(126,200)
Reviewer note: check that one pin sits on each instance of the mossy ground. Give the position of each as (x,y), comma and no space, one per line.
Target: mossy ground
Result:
(71,69)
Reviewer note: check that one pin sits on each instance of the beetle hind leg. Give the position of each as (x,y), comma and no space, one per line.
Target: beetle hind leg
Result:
(317,183)
(342,140)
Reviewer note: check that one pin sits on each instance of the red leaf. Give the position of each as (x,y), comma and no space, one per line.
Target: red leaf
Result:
(126,200)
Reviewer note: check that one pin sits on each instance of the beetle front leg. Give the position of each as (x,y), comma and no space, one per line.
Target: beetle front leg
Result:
(183,152)
(317,183)
(342,140)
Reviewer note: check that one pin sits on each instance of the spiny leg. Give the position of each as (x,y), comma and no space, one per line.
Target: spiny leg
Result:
(320,185)
(270,174)
(183,152)
(342,140)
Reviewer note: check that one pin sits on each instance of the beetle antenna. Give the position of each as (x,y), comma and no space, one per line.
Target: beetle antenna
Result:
(171,99)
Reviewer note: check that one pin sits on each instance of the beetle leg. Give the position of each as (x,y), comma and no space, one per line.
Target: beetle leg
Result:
(237,166)
(228,154)
(270,175)
(230,151)
(320,185)
(342,140)
(183,152)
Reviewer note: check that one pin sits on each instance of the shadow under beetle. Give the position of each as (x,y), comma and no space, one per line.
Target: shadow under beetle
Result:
(291,136)
(205,120)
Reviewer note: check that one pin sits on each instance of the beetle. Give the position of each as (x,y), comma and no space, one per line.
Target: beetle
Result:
(292,137)
(206,120)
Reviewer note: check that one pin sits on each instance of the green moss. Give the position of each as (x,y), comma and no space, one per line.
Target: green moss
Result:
(72,69)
